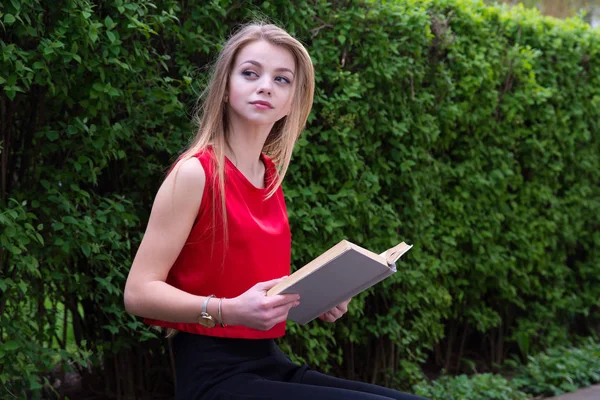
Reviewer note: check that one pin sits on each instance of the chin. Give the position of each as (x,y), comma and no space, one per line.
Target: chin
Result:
(255,118)
(259,120)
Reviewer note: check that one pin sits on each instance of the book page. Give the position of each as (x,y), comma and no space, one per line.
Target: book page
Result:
(392,255)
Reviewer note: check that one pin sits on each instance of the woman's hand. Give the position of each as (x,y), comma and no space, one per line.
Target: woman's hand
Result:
(255,309)
(336,312)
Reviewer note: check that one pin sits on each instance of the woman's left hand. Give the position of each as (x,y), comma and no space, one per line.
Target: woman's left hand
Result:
(336,312)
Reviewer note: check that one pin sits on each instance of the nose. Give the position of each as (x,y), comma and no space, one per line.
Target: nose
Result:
(265,86)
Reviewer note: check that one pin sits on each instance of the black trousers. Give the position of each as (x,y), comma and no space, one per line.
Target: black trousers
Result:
(209,368)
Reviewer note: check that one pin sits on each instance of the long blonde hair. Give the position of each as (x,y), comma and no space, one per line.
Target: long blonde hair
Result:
(211,113)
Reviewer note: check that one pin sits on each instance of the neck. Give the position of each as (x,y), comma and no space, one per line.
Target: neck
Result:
(246,142)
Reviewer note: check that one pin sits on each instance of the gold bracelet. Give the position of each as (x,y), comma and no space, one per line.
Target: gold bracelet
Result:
(219,317)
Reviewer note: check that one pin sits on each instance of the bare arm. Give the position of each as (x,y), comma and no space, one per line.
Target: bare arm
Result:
(146,292)
(173,212)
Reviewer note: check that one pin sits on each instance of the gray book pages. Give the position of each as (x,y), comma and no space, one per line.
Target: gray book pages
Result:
(343,277)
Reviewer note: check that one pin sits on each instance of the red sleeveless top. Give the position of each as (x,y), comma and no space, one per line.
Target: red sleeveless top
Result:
(258,249)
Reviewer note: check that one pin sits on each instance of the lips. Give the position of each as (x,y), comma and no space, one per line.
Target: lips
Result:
(262,103)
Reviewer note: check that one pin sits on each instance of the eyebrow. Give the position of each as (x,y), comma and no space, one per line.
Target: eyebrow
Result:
(260,65)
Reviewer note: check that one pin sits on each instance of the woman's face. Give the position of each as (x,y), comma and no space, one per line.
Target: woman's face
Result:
(261,83)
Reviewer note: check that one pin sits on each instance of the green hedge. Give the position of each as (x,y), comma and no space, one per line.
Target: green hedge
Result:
(469,131)
(556,371)
(477,387)
(560,370)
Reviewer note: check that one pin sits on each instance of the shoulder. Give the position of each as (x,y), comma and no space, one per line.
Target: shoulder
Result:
(192,169)
(187,179)
(178,199)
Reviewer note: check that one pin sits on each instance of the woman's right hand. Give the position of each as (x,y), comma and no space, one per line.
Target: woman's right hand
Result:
(256,310)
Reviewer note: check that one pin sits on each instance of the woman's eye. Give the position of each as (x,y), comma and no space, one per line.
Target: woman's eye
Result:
(249,73)
(282,79)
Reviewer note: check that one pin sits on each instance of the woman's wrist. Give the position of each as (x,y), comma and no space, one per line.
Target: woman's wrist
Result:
(228,312)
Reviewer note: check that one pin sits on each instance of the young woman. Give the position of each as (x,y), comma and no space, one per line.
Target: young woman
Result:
(218,235)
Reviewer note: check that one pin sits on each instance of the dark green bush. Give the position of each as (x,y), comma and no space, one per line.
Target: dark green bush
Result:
(476,387)
(469,131)
(560,370)
(556,371)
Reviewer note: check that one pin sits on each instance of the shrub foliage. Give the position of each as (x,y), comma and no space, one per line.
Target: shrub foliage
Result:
(477,387)
(560,369)
(469,131)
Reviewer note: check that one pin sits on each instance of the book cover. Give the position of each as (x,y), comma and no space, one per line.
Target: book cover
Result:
(340,273)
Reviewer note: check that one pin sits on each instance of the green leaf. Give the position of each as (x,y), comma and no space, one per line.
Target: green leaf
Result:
(70,220)
(52,135)
(9,19)
(10,345)
(10,93)
(14,250)
(113,92)
(85,248)
(10,231)
(39,65)
(112,329)
(16,4)
(34,383)
(93,33)
(108,22)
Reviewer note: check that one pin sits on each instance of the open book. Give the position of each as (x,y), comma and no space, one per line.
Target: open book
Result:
(340,273)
